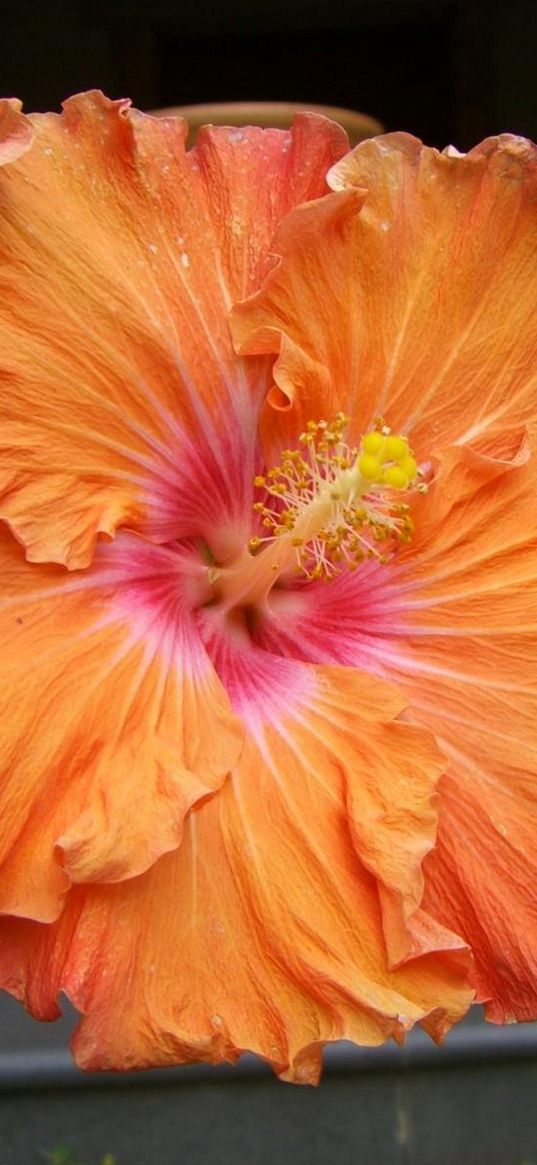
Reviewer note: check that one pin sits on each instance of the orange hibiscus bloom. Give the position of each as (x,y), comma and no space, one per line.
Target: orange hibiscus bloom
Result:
(267,610)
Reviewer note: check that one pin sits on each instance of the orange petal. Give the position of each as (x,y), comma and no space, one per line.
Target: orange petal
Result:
(106,694)
(264,930)
(464,651)
(390,770)
(122,401)
(409,293)
(16,133)
(452,621)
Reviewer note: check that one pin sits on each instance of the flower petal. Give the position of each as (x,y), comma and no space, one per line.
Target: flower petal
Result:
(16,133)
(122,401)
(469,659)
(409,293)
(264,930)
(453,623)
(105,697)
(390,770)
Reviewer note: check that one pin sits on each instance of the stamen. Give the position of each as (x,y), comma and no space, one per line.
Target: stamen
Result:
(338,503)
(327,507)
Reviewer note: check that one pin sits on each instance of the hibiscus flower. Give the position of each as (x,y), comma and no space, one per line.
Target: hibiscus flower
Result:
(267,594)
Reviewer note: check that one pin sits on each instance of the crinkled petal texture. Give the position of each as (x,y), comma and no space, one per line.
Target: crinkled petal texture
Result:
(106,697)
(122,402)
(264,930)
(453,623)
(467,647)
(409,293)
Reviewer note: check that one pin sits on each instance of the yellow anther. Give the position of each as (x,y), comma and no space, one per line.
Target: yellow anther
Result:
(370,467)
(373,442)
(395,448)
(259,481)
(254,544)
(395,477)
(409,466)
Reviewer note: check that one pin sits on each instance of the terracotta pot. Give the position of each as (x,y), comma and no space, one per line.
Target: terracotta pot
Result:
(270,113)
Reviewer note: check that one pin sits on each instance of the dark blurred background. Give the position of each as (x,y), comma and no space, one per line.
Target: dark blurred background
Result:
(446,70)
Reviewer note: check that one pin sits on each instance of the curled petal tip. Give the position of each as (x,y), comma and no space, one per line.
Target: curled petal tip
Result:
(16,132)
